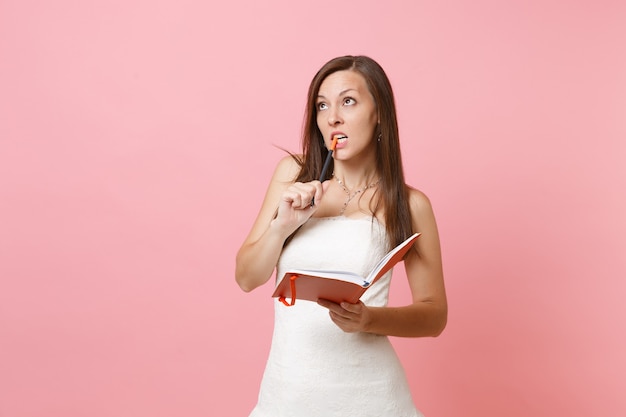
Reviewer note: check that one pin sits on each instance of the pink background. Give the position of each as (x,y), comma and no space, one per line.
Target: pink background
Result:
(137,139)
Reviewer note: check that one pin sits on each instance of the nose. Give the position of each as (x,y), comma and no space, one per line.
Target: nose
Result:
(334,118)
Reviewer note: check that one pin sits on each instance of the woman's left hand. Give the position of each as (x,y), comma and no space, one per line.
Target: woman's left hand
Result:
(350,318)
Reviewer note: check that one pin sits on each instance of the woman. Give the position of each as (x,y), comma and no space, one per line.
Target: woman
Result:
(331,359)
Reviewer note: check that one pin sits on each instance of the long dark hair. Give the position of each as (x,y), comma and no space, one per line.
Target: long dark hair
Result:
(393,197)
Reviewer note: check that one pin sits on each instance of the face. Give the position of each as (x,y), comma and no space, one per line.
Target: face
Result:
(346,108)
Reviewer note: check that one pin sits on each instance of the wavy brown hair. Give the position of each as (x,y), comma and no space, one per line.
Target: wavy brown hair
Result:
(392,192)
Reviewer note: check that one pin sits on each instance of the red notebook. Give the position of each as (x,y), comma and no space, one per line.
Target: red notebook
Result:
(337,286)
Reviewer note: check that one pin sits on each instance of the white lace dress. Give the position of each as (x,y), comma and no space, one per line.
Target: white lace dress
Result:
(314,368)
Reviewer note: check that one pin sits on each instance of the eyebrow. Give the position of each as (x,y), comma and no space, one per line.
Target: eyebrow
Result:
(341,93)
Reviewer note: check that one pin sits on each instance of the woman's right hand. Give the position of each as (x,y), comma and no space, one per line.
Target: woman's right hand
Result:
(297,204)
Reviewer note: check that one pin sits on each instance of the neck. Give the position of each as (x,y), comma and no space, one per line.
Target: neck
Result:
(355,179)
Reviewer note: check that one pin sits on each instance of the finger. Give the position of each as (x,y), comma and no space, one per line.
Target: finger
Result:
(292,197)
(309,202)
(318,190)
(335,309)
(297,199)
(343,323)
(306,193)
(304,202)
(352,308)
(338,319)
(328,304)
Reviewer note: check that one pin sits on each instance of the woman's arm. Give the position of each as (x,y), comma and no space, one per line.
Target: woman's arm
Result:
(259,253)
(427,314)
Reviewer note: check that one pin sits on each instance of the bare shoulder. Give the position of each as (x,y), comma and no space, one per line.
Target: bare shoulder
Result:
(284,175)
(423,221)
(419,202)
(287,169)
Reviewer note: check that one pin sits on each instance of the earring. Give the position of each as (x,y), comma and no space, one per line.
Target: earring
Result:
(380,135)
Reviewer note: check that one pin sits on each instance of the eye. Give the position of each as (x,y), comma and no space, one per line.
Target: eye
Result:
(322,106)
(349,101)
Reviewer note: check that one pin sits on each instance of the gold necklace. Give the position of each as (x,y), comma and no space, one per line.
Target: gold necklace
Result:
(351,195)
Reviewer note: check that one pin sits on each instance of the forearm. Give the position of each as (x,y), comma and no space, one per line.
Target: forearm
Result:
(420,319)
(256,260)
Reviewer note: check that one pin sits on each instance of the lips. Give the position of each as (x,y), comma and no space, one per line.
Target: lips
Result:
(341,137)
